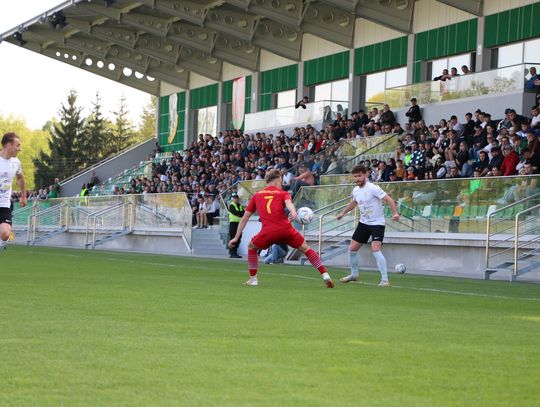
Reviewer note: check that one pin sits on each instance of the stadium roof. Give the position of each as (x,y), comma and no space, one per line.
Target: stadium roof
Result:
(142,43)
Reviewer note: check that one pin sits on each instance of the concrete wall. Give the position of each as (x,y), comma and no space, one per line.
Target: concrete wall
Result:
(109,168)
(367,33)
(316,47)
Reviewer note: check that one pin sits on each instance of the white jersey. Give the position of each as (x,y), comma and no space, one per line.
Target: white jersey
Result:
(8,170)
(369,202)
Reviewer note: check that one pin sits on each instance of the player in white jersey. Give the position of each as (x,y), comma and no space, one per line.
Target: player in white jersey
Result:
(10,167)
(368,197)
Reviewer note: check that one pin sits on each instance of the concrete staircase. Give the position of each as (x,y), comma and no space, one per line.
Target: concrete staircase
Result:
(207,242)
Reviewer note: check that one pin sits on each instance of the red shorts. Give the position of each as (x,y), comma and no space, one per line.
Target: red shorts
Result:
(266,238)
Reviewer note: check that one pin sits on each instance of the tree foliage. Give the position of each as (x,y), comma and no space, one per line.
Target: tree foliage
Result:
(32,142)
(65,156)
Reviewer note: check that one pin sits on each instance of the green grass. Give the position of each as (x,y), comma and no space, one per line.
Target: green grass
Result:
(85,328)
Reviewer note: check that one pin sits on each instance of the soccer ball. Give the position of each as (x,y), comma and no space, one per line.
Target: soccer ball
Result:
(401,268)
(304,215)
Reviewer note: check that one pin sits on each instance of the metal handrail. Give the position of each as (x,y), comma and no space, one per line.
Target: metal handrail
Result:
(488,231)
(516,236)
(100,213)
(321,223)
(33,219)
(158,215)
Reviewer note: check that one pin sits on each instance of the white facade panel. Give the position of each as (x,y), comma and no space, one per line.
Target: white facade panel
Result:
(430,14)
(368,33)
(496,6)
(231,72)
(316,47)
(271,61)
(198,81)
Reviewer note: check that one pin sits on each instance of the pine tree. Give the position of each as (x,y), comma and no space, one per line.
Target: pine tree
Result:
(147,124)
(94,145)
(122,134)
(65,157)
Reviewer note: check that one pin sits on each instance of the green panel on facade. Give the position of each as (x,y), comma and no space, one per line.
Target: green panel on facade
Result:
(326,69)
(377,57)
(420,45)
(446,41)
(266,101)
(512,25)
(226,91)
(204,97)
(514,29)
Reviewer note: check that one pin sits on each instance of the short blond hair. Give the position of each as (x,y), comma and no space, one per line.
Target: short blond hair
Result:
(272,175)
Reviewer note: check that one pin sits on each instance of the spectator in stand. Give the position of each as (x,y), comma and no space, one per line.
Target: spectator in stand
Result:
(465,70)
(387,116)
(533,83)
(306,178)
(362,118)
(202,219)
(453,72)
(413,113)
(302,103)
(510,161)
(444,76)
(535,120)
(276,253)
(94,180)
(495,161)
(533,145)
(213,209)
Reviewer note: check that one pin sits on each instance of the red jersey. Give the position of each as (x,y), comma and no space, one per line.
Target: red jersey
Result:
(270,204)
(276,228)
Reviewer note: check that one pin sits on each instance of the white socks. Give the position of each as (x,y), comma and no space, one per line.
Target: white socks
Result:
(353,261)
(381,265)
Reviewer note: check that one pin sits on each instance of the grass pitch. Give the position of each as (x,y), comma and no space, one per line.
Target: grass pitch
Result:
(85,328)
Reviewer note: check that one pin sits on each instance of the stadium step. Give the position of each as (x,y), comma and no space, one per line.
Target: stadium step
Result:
(528,262)
(208,242)
(46,235)
(108,237)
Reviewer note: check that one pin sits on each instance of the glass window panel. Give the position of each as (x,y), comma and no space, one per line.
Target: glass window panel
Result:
(457,61)
(375,87)
(286,99)
(532,52)
(437,67)
(396,77)
(323,92)
(510,55)
(340,90)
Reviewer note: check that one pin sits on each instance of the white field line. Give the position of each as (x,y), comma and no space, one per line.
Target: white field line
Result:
(401,287)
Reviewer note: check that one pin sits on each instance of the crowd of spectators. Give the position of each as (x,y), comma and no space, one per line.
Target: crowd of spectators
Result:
(476,146)
(42,194)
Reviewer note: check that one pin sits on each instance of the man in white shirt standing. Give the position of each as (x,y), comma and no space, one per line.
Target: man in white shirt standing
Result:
(368,197)
(10,167)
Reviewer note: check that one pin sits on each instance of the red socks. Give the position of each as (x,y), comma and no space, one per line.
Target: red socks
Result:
(315,260)
(253,262)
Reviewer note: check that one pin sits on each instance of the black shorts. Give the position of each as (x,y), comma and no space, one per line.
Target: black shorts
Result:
(5,215)
(363,232)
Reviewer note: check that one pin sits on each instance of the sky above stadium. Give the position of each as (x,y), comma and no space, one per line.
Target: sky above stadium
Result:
(33,86)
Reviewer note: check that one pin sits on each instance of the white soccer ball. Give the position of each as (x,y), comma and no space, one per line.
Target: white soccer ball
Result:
(401,268)
(304,215)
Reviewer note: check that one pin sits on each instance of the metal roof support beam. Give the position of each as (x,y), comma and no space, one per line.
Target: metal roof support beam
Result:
(279,39)
(236,23)
(200,38)
(394,14)
(194,12)
(200,63)
(237,52)
(327,22)
(470,6)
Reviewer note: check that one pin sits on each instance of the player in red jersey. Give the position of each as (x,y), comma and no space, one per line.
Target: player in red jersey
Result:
(270,203)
